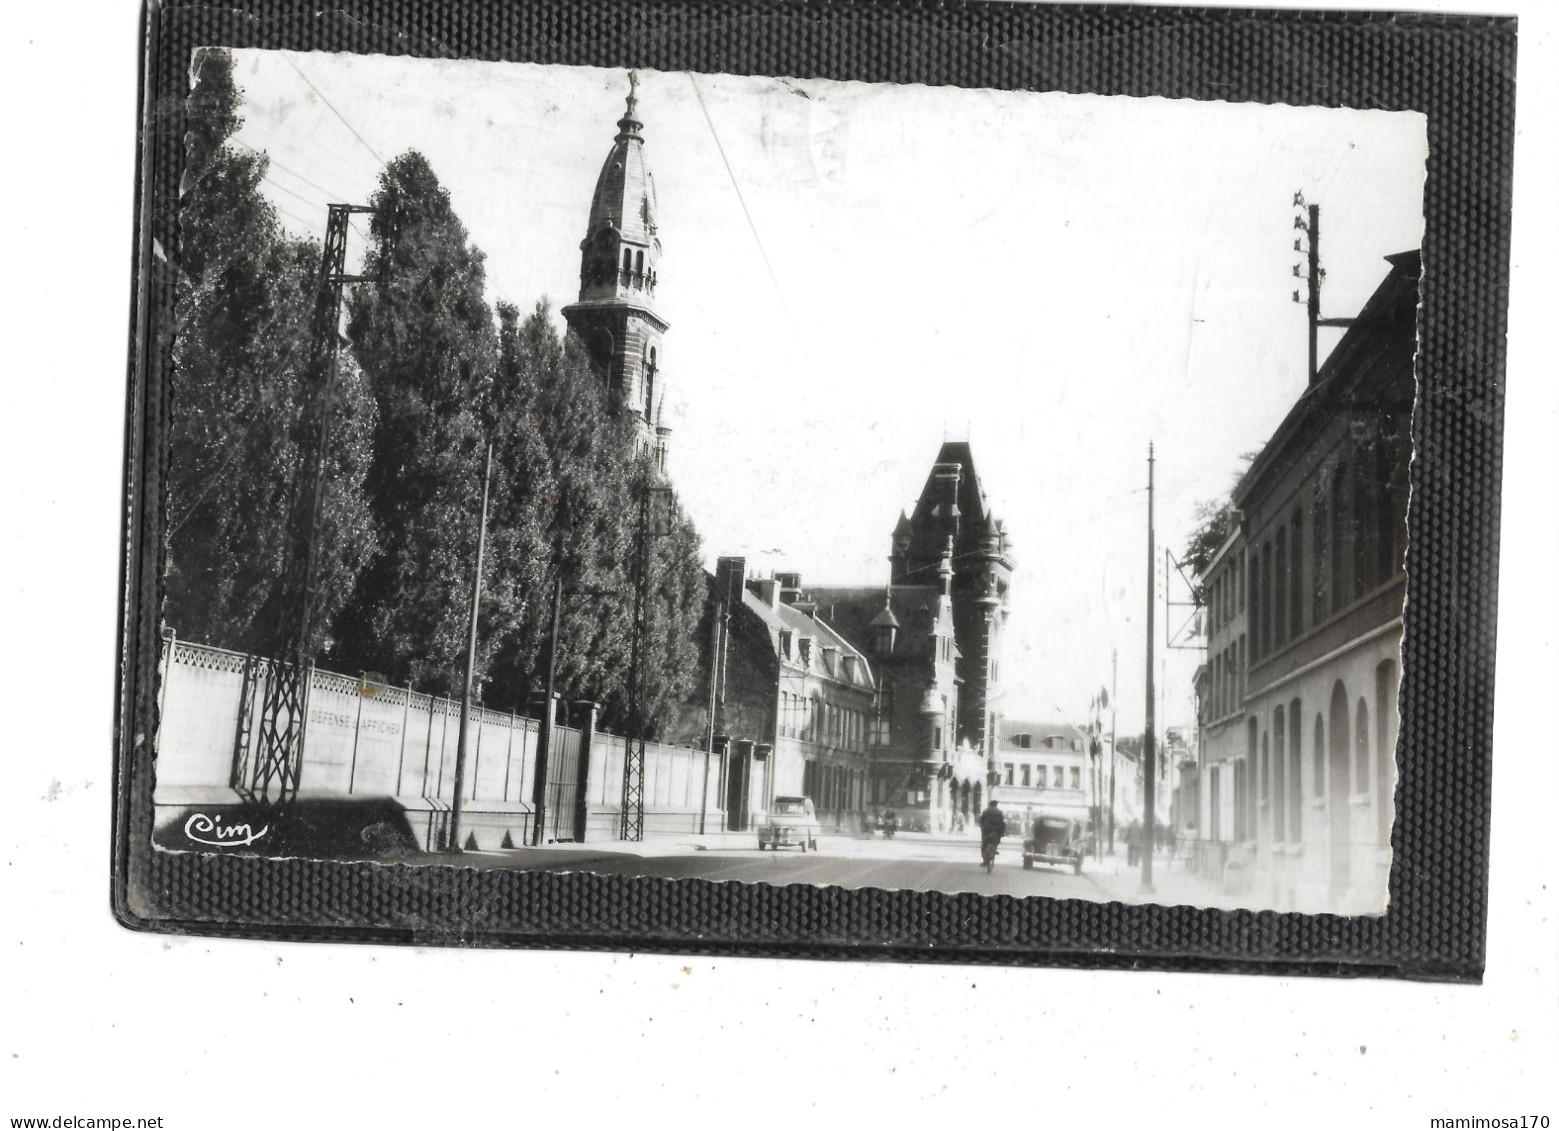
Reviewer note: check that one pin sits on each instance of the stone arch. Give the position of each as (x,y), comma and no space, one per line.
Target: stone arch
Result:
(1337,800)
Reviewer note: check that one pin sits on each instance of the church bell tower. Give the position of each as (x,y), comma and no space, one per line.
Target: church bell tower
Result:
(615,316)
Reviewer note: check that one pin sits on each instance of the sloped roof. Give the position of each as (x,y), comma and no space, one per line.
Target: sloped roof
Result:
(787,618)
(1007,728)
(1370,368)
(853,610)
(625,191)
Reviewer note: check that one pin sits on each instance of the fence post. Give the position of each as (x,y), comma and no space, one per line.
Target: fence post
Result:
(587,713)
(508,756)
(400,765)
(357,733)
(303,729)
(169,641)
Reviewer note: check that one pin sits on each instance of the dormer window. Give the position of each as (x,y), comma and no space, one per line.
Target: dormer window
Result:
(806,651)
(1023,741)
(784,643)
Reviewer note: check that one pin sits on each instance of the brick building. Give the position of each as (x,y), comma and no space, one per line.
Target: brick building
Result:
(1309,594)
(933,637)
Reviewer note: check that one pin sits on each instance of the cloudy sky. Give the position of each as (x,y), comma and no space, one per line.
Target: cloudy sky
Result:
(854,272)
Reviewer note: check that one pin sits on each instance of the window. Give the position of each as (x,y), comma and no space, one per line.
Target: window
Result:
(1025,774)
(1340,554)
(1321,603)
(1022,741)
(1296,569)
(627,260)
(1007,767)
(1280,590)
(1077,777)
(1269,599)
(1361,494)
(1255,604)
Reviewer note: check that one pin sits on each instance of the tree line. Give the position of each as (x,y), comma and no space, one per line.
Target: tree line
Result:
(429,375)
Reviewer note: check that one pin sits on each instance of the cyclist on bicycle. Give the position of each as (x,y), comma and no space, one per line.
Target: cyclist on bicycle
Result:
(993,826)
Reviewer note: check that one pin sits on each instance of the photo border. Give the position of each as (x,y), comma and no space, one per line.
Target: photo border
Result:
(1458,71)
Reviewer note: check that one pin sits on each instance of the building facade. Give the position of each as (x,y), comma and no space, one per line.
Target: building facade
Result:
(933,638)
(1042,767)
(1323,533)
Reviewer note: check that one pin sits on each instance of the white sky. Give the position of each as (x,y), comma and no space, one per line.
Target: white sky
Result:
(1058,278)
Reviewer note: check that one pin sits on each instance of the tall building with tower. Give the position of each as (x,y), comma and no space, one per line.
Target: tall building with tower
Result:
(615,316)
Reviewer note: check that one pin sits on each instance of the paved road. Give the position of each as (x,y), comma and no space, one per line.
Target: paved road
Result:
(895,865)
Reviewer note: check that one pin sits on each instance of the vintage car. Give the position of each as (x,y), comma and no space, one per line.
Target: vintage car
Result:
(1054,840)
(791,823)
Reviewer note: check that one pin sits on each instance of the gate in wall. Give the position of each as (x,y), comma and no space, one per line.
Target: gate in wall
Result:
(562,785)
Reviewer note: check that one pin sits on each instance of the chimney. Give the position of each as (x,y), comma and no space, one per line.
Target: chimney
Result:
(767,590)
(789,587)
(730,573)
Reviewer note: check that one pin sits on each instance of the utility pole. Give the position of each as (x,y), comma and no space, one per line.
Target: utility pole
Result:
(465,696)
(714,693)
(1149,784)
(634,755)
(272,782)
(1314,305)
(548,717)
(1310,224)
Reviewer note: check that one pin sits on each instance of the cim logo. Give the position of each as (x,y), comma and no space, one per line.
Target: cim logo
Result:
(203,829)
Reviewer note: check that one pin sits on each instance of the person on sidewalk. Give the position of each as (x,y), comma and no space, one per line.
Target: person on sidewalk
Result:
(993,826)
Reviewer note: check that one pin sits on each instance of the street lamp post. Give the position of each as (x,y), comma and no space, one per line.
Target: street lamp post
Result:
(465,695)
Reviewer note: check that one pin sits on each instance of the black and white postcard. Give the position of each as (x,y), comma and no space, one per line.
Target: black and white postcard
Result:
(895,487)
(943,514)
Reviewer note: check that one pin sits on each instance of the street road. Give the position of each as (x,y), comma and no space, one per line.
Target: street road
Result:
(851,862)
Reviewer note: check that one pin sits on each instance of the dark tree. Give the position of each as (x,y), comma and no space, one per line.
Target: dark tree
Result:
(240,392)
(423,334)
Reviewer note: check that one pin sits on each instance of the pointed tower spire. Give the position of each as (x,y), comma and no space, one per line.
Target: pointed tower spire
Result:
(615,316)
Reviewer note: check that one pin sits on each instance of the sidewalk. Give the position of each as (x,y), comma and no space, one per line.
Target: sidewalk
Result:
(572,853)
(1172,885)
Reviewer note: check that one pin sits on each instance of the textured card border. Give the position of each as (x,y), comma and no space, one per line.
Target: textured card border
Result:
(1458,71)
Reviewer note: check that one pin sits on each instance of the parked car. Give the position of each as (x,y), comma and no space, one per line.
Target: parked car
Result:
(1054,840)
(791,823)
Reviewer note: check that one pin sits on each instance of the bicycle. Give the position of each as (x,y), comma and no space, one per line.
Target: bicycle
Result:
(988,854)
